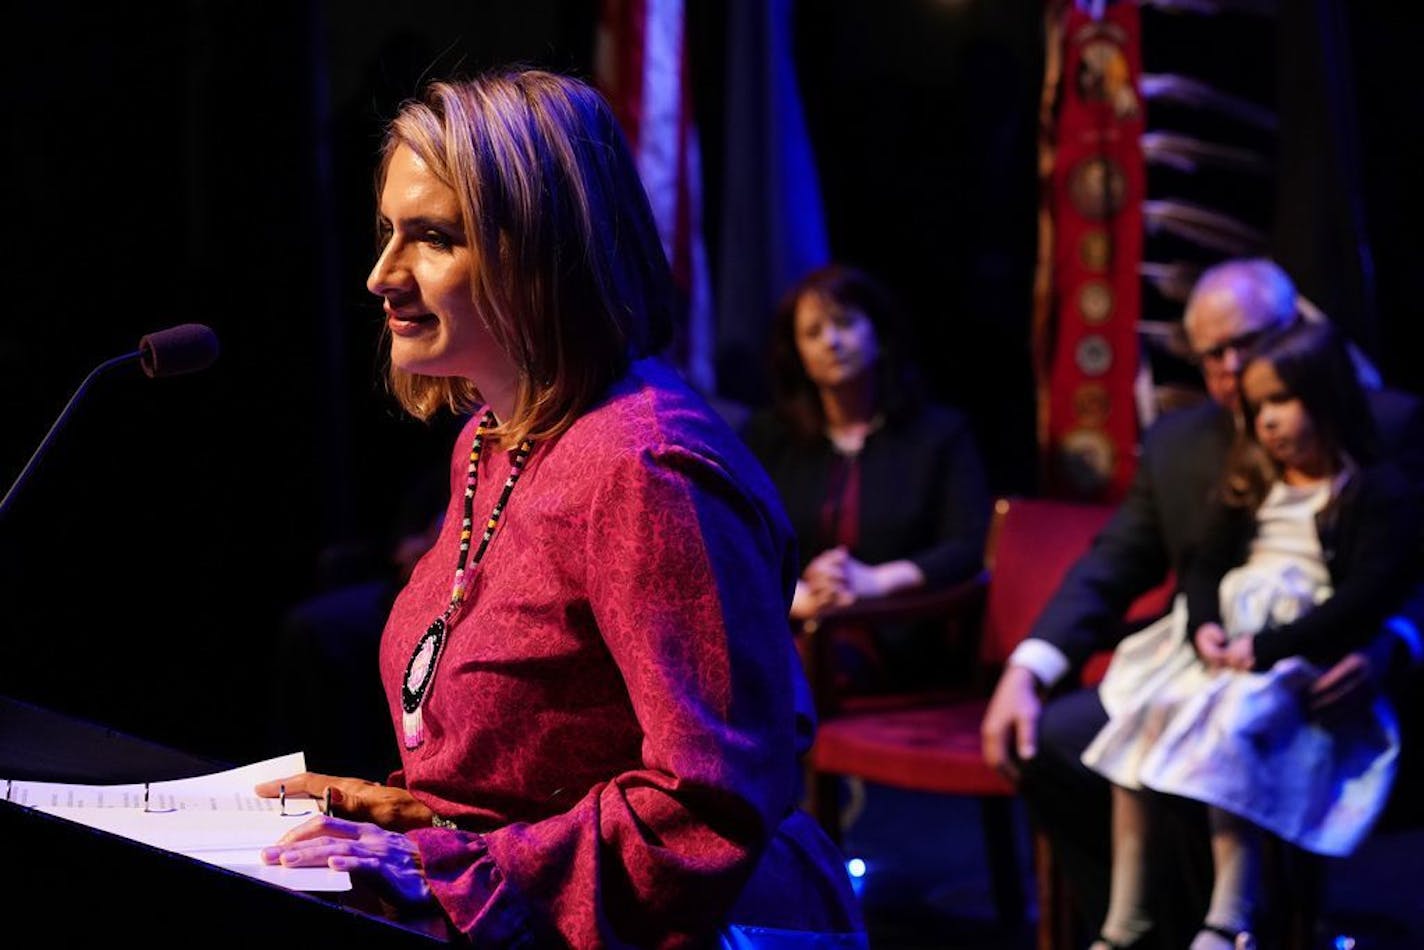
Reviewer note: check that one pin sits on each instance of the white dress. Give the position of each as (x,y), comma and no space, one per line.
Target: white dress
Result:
(1245,742)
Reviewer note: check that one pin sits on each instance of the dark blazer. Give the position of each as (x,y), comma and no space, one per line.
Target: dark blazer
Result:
(1162,520)
(1369,537)
(924,495)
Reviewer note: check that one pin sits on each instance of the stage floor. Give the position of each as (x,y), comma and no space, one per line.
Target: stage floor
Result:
(926,885)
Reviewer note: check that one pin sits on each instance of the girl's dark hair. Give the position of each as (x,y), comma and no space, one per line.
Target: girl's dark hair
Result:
(898,388)
(1314,365)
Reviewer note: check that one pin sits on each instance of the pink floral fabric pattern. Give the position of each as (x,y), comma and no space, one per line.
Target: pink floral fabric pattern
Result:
(612,724)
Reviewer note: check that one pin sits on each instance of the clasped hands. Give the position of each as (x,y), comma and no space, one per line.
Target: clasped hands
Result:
(1220,653)
(369,843)
(834,578)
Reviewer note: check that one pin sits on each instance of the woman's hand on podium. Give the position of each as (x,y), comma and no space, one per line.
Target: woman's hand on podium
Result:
(368,842)
(394,809)
(387,861)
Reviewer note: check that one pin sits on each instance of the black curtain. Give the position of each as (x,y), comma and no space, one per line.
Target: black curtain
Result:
(1322,235)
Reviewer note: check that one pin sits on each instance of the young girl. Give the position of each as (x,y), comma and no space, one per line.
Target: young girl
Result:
(1308,544)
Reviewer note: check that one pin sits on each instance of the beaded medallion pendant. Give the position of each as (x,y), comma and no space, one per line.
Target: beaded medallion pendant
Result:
(420,670)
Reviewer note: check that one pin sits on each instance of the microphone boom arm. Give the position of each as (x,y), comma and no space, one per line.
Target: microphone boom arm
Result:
(94,374)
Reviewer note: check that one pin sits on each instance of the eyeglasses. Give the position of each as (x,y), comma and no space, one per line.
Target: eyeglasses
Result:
(1237,344)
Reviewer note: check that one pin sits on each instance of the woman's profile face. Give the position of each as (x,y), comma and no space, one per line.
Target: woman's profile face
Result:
(424,275)
(836,342)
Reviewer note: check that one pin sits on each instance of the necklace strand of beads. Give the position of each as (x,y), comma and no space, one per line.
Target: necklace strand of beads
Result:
(420,671)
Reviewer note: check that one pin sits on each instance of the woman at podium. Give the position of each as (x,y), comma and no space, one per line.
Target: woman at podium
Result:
(590,675)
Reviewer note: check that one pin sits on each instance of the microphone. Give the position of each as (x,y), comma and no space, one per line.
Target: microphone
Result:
(186,348)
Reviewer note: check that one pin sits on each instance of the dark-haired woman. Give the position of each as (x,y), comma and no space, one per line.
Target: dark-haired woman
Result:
(886,491)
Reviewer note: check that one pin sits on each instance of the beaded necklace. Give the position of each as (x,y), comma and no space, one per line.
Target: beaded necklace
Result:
(420,671)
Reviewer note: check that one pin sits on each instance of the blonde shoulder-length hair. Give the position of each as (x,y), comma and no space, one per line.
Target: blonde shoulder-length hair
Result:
(568,271)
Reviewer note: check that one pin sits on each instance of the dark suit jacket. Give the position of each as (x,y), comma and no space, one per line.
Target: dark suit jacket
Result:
(1161,522)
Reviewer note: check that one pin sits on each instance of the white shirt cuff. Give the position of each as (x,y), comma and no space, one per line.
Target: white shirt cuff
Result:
(1404,628)
(1044,660)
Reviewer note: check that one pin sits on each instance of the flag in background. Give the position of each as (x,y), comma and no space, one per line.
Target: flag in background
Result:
(641,66)
(1087,295)
(772,227)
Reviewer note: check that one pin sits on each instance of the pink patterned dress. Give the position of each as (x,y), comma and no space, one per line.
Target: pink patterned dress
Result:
(613,724)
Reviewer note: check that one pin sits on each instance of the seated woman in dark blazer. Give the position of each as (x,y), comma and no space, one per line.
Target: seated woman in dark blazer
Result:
(886,491)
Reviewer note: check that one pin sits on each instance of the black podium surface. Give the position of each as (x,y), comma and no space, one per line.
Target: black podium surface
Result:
(69,884)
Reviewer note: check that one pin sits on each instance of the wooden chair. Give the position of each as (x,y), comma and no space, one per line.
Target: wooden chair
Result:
(930,741)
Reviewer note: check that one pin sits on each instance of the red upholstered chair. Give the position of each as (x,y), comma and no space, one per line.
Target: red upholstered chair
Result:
(930,741)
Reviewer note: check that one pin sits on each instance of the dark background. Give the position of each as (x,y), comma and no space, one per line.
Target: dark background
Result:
(211,162)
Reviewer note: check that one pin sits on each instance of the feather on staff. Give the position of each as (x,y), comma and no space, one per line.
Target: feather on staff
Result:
(1166,87)
(1203,226)
(1188,154)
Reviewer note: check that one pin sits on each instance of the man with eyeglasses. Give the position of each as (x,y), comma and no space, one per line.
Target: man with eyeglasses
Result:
(1034,732)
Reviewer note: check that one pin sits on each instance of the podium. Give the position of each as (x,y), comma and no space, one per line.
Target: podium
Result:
(73,884)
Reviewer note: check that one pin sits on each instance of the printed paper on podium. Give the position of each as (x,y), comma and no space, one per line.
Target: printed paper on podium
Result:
(214,818)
